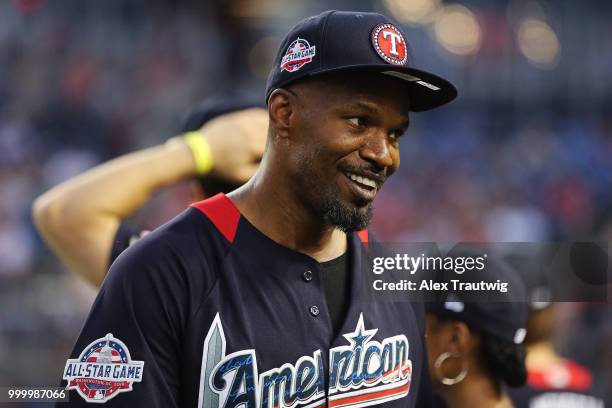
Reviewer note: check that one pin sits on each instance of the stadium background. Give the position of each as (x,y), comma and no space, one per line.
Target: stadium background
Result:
(525,153)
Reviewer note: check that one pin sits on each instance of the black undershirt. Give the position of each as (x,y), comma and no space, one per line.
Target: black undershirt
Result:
(337,288)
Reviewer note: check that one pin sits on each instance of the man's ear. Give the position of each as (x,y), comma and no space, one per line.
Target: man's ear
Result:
(281,106)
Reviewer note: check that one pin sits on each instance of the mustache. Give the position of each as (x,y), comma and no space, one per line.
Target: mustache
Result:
(369,170)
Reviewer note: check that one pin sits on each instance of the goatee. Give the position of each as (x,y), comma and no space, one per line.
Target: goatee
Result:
(346,218)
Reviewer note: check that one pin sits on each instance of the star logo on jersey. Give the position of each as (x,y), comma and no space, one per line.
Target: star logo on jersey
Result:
(360,335)
(389,43)
(103,370)
(299,53)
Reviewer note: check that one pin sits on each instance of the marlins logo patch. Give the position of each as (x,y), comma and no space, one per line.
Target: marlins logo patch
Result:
(299,53)
(389,44)
(103,370)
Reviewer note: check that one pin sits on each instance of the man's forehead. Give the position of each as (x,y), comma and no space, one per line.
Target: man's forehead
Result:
(369,91)
(392,107)
(375,106)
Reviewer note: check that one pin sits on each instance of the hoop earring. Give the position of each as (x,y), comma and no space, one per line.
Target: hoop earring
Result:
(438,365)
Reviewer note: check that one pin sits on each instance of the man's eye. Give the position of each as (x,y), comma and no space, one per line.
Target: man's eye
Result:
(359,122)
(397,134)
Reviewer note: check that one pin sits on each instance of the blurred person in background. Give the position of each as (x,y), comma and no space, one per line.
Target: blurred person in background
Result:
(475,345)
(83,219)
(553,380)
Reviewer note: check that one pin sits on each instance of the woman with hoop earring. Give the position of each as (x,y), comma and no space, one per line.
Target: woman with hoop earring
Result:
(474,340)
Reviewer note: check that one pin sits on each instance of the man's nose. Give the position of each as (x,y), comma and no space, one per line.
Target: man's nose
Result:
(377,150)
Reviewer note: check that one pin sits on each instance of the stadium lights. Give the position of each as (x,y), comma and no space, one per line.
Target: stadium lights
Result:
(414,12)
(457,29)
(538,42)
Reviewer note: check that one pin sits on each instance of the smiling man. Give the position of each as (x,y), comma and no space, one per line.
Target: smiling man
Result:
(252,299)
(344,143)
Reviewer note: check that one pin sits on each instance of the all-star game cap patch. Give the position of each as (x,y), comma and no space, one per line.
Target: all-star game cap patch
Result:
(298,54)
(390,44)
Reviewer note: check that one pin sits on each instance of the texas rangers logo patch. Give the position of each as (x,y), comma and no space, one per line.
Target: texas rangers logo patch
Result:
(390,44)
(299,53)
(103,370)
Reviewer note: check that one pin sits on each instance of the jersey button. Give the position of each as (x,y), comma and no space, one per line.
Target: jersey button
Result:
(307,276)
(314,311)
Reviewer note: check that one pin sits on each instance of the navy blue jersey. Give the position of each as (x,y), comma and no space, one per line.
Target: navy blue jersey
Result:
(207,311)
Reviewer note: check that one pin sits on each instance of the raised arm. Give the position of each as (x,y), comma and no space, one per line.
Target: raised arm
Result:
(79,218)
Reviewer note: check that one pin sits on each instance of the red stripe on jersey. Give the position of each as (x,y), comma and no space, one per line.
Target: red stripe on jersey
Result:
(363,236)
(569,376)
(372,396)
(222,213)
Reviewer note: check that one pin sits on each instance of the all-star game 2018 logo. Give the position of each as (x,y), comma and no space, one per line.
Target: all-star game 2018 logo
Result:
(299,53)
(103,370)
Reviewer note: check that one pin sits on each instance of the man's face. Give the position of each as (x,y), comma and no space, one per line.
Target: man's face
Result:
(345,143)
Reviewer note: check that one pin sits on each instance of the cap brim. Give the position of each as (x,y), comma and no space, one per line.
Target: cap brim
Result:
(426,90)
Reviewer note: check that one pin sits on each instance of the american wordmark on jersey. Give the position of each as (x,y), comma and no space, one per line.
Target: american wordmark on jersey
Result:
(362,372)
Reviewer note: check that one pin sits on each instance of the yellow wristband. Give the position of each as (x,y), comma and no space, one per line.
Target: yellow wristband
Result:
(201,152)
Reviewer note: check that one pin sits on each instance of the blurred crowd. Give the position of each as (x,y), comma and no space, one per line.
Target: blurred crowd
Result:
(84,81)
(475,177)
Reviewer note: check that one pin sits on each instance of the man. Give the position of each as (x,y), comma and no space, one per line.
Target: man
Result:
(83,219)
(250,299)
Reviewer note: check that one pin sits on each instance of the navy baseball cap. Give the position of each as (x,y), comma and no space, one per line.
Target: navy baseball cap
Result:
(504,316)
(536,276)
(338,41)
